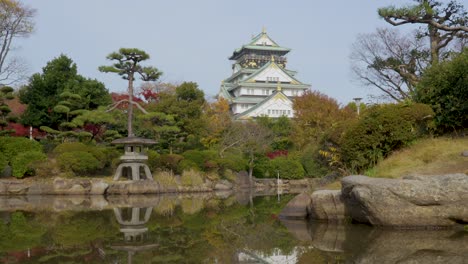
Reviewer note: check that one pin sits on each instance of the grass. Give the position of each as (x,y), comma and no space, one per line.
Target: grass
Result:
(165,178)
(425,157)
(191,178)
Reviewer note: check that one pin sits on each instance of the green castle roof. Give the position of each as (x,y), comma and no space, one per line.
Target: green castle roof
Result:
(253,45)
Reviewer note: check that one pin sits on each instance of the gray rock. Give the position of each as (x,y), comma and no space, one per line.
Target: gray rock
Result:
(71,186)
(303,183)
(223,185)
(133,187)
(98,187)
(297,207)
(327,205)
(464,153)
(415,201)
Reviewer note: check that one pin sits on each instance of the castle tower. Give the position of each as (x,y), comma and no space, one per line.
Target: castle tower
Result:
(260,84)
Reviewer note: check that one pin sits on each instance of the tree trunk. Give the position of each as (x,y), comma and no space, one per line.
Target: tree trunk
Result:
(435,40)
(130,106)
(251,166)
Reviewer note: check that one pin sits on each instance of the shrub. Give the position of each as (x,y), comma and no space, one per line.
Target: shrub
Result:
(187,165)
(312,163)
(3,162)
(232,161)
(105,155)
(79,162)
(262,168)
(380,130)
(287,168)
(71,146)
(444,86)
(191,178)
(171,161)
(11,146)
(200,157)
(24,163)
(153,159)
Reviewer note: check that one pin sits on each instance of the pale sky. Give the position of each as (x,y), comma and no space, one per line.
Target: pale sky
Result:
(191,40)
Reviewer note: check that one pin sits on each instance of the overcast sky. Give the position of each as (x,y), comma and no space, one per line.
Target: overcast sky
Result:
(191,40)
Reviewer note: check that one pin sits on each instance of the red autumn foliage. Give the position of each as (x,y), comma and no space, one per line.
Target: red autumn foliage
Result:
(96,130)
(277,153)
(116,97)
(23,131)
(149,95)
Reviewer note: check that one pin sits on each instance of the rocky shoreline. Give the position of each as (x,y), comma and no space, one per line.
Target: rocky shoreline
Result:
(93,186)
(410,202)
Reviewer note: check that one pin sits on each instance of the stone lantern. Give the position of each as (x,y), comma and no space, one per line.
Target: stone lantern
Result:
(133,161)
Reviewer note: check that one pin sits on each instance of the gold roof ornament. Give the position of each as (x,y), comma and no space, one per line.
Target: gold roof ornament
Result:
(272,58)
(278,88)
(263,30)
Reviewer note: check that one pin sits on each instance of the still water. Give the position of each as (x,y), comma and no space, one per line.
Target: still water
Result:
(201,228)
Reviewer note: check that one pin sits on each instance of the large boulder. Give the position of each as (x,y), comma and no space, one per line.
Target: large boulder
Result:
(134,187)
(78,186)
(223,185)
(414,201)
(327,205)
(297,207)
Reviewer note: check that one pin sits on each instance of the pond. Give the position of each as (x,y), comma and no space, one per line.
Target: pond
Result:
(201,228)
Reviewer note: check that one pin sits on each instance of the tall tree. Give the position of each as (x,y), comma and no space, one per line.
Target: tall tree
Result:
(389,61)
(186,105)
(6,93)
(316,114)
(16,21)
(128,65)
(218,119)
(444,87)
(256,139)
(42,93)
(444,22)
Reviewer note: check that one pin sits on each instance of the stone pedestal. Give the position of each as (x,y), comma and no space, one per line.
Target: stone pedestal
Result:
(133,161)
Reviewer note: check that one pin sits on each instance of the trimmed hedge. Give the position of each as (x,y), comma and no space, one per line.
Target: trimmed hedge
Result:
(12,146)
(24,163)
(21,153)
(105,155)
(79,162)
(287,167)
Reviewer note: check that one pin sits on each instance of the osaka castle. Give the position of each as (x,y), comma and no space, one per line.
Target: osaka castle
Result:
(260,84)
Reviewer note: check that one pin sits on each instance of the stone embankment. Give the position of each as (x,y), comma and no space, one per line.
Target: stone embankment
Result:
(93,186)
(408,202)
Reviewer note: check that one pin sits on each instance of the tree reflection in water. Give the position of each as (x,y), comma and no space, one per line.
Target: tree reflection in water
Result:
(203,228)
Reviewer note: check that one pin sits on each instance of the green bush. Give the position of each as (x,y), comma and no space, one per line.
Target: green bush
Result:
(380,130)
(232,161)
(24,163)
(79,162)
(171,162)
(11,146)
(105,155)
(188,165)
(201,157)
(262,168)
(312,163)
(71,146)
(154,161)
(288,168)
(444,86)
(3,162)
